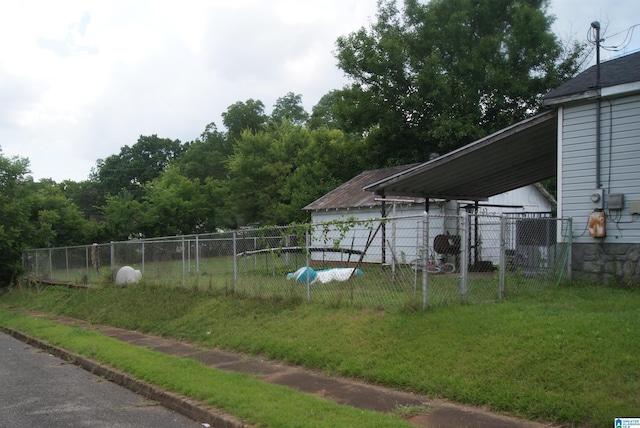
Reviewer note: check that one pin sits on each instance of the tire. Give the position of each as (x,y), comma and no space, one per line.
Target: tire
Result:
(448,268)
(416,265)
(431,268)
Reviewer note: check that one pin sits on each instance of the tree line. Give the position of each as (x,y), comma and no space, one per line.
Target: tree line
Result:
(423,78)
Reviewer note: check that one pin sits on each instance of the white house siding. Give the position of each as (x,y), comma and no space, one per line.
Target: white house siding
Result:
(619,166)
(526,199)
(444,218)
(405,240)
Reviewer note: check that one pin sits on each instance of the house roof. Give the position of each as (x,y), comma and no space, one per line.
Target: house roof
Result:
(614,72)
(513,157)
(351,194)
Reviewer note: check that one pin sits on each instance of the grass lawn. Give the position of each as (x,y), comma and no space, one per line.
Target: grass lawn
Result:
(567,354)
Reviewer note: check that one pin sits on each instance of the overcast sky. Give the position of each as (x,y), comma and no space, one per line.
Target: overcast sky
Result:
(80,79)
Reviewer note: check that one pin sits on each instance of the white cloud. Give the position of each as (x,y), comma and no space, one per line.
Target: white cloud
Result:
(80,79)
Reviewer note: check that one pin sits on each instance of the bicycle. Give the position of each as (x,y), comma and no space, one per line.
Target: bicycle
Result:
(439,265)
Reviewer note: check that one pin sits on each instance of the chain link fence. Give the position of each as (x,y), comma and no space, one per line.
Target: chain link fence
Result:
(416,261)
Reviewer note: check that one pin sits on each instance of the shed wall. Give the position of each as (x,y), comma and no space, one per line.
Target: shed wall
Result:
(403,243)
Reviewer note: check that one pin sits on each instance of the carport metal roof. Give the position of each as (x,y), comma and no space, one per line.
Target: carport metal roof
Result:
(511,158)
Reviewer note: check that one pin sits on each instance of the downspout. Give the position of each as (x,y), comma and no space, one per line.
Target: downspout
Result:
(596,25)
(598,185)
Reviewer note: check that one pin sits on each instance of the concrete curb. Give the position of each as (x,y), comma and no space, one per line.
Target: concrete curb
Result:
(190,408)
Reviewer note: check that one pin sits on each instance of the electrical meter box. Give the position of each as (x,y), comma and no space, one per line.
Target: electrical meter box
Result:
(597,198)
(615,201)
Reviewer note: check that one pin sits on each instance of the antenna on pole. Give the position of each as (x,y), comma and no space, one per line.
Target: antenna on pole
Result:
(596,26)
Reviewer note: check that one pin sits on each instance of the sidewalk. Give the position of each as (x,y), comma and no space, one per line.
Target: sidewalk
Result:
(438,413)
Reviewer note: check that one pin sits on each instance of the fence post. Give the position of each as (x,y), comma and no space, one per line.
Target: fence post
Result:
(287,243)
(111,261)
(464,257)
(235,261)
(197,256)
(142,249)
(502,257)
(183,267)
(425,258)
(307,240)
(66,261)
(50,266)
(393,244)
(188,255)
(570,249)
(86,260)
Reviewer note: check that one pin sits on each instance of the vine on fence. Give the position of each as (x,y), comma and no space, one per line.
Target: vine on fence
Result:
(300,230)
(342,226)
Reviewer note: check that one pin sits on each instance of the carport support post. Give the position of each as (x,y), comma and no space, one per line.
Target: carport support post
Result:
(425,257)
(464,249)
(475,234)
(393,243)
(502,261)
(384,231)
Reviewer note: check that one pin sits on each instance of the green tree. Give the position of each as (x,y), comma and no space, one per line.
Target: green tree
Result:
(276,172)
(219,201)
(439,75)
(56,220)
(124,217)
(289,108)
(244,116)
(136,165)
(206,156)
(328,159)
(15,229)
(322,114)
(87,195)
(174,205)
(261,164)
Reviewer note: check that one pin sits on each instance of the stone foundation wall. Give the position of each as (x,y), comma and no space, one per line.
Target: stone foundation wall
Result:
(607,263)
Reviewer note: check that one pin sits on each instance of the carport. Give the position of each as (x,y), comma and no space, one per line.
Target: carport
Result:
(516,156)
(513,157)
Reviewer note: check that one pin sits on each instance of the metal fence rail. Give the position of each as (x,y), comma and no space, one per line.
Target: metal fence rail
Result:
(417,261)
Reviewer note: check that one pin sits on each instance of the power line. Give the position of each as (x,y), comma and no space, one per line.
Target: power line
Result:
(592,38)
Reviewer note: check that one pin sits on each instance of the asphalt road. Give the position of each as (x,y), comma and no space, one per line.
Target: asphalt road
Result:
(40,390)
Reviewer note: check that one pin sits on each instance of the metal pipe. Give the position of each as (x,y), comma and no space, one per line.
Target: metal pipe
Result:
(598,143)
(596,26)
(425,259)
(384,232)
